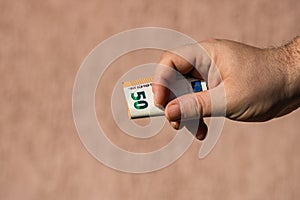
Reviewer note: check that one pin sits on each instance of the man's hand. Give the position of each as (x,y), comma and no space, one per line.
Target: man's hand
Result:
(260,84)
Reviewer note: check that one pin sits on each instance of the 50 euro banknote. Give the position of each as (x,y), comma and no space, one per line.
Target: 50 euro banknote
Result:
(140,98)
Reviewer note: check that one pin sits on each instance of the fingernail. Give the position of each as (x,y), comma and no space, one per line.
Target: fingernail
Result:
(202,131)
(159,106)
(201,136)
(156,101)
(173,112)
(175,125)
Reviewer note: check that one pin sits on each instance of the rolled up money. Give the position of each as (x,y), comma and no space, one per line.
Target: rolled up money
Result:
(140,98)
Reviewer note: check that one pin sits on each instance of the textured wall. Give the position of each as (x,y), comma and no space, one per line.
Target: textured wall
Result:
(41,157)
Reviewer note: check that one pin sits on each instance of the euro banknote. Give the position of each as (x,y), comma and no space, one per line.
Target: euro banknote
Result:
(140,99)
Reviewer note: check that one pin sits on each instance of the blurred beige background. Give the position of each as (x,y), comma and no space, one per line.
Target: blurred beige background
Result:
(41,157)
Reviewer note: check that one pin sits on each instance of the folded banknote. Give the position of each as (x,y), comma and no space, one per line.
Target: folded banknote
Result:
(140,98)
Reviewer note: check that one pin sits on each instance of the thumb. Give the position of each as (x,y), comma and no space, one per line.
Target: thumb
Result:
(197,105)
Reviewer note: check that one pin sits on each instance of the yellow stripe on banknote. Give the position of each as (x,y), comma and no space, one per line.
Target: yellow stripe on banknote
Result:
(137,82)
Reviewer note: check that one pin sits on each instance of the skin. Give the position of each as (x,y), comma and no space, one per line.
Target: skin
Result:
(260,84)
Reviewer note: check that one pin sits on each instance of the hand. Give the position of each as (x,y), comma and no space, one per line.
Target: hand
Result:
(260,84)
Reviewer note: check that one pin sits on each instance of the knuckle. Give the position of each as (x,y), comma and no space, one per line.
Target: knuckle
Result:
(190,107)
(201,104)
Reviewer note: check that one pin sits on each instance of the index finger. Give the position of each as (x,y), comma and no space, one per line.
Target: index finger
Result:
(170,64)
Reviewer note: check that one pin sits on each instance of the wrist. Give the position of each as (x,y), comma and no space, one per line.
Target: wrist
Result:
(289,58)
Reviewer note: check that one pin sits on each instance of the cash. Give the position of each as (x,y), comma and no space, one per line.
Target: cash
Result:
(140,98)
